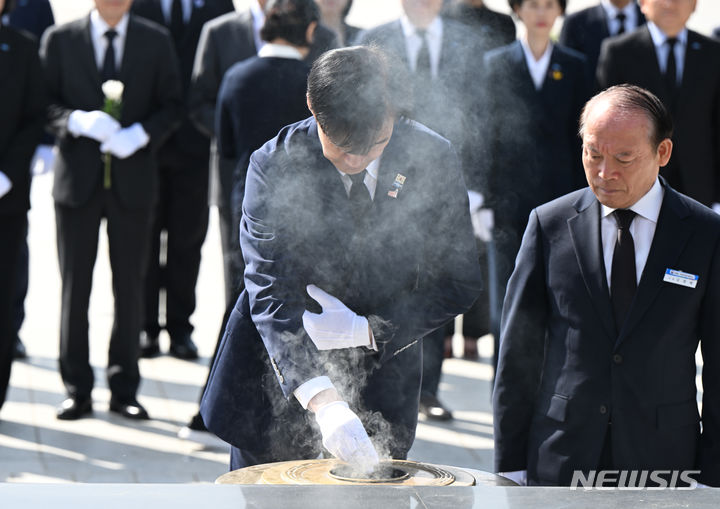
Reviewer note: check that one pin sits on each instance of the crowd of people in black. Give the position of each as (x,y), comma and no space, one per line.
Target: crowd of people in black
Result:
(204,86)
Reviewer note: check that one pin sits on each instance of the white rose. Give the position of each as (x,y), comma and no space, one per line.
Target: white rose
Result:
(113,90)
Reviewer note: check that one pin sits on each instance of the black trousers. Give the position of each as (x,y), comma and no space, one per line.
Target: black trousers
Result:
(182,213)
(12,230)
(77,241)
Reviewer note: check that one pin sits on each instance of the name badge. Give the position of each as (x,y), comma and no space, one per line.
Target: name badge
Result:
(681,278)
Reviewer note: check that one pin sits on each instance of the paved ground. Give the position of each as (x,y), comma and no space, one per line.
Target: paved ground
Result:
(36,447)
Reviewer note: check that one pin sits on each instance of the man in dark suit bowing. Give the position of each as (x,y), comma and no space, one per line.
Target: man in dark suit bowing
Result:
(443,58)
(614,287)
(585,30)
(181,211)
(682,68)
(106,168)
(357,241)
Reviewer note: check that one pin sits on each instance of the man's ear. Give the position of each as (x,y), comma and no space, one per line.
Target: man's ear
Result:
(307,98)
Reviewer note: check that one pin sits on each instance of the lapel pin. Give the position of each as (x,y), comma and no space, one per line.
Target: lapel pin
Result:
(681,278)
(556,73)
(5,47)
(396,186)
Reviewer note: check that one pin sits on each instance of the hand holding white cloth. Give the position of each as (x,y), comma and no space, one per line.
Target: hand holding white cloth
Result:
(345,437)
(336,326)
(5,184)
(483,222)
(126,142)
(97,125)
(518,476)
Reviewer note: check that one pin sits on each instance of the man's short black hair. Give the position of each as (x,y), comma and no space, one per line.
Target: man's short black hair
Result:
(289,20)
(633,98)
(517,3)
(352,92)
(9,6)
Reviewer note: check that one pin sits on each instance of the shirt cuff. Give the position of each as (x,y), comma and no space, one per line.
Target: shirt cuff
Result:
(308,390)
(362,336)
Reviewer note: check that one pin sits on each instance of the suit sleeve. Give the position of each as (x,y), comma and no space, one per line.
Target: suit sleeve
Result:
(15,161)
(205,82)
(52,61)
(709,455)
(607,72)
(224,119)
(522,341)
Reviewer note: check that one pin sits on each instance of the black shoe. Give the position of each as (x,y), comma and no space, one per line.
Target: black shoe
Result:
(19,352)
(431,408)
(74,408)
(183,347)
(128,408)
(149,345)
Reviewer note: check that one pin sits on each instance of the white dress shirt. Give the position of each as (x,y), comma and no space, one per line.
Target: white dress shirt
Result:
(662,49)
(538,68)
(642,229)
(98,27)
(370,180)
(258,18)
(433,37)
(167,10)
(631,17)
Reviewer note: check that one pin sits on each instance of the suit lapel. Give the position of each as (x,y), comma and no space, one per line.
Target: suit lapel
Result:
(652,67)
(131,51)
(5,55)
(693,66)
(586,239)
(602,21)
(671,236)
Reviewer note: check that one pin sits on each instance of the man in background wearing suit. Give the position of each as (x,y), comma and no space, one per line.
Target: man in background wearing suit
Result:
(78,57)
(614,287)
(585,30)
(225,41)
(356,247)
(181,211)
(33,16)
(22,110)
(495,28)
(444,59)
(682,68)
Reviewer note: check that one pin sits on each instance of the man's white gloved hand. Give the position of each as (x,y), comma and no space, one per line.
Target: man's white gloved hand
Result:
(43,160)
(337,326)
(97,125)
(126,142)
(345,437)
(483,222)
(518,476)
(716,207)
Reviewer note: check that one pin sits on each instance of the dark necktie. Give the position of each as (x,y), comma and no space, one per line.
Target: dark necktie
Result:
(671,67)
(422,64)
(621,17)
(109,72)
(177,21)
(359,196)
(623,276)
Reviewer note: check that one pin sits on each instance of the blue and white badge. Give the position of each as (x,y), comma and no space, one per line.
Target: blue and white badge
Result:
(681,278)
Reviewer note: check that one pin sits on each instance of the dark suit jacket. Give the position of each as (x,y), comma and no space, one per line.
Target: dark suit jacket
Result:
(257,98)
(223,42)
(32,15)
(495,28)
(411,271)
(152,97)
(532,134)
(585,30)
(565,370)
(451,108)
(22,110)
(187,139)
(694,168)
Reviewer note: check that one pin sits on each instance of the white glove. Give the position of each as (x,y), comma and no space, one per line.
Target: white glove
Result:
(97,125)
(43,159)
(345,437)
(126,142)
(337,326)
(475,200)
(483,222)
(5,184)
(518,476)
(716,207)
